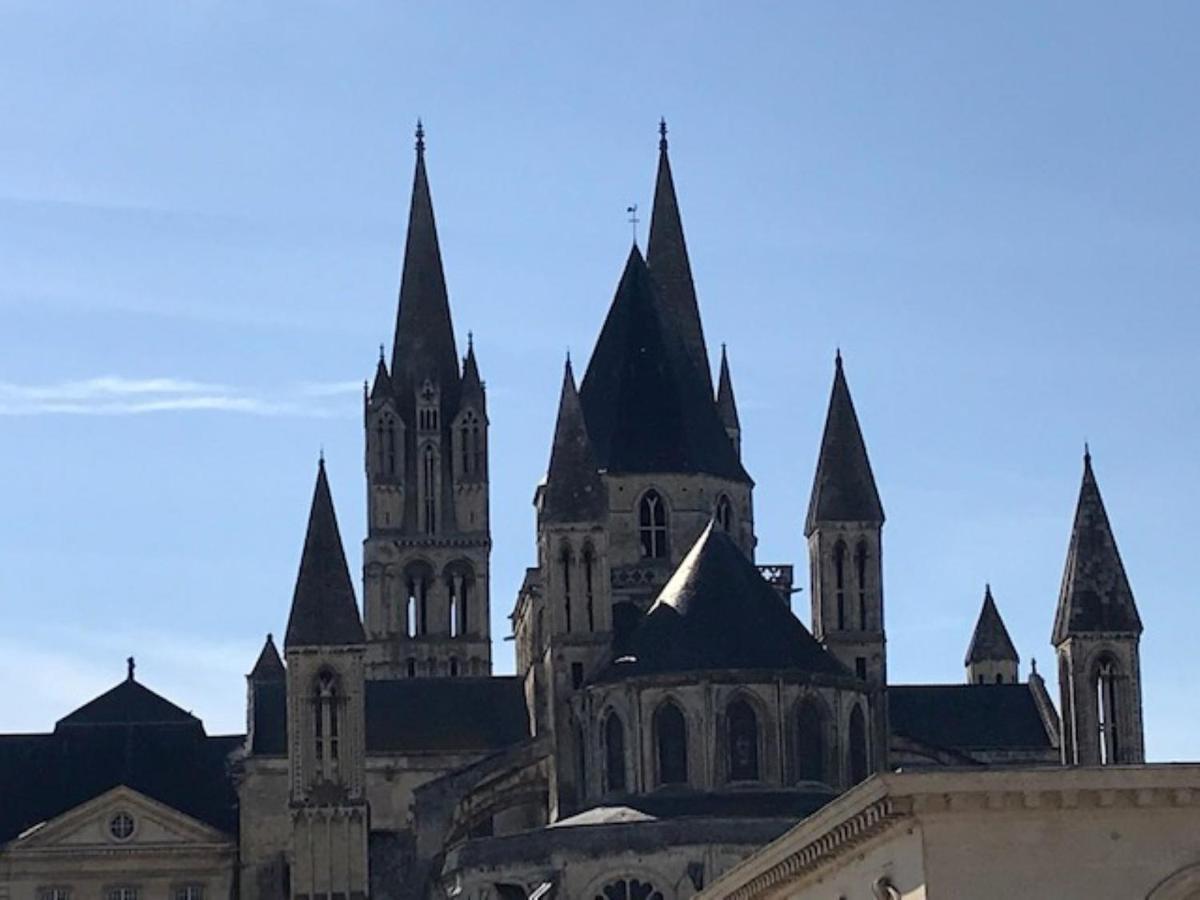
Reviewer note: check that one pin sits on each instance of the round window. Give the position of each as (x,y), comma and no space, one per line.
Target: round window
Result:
(120,826)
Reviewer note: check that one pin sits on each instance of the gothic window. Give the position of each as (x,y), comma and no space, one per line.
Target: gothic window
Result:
(724,513)
(858,746)
(614,754)
(326,725)
(860,566)
(564,562)
(410,610)
(810,742)
(839,575)
(580,763)
(652,525)
(589,585)
(1106,711)
(629,889)
(742,726)
(385,447)
(429,489)
(670,730)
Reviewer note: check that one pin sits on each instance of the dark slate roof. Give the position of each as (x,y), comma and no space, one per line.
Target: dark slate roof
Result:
(844,486)
(573,490)
(990,640)
(717,612)
(667,257)
(381,388)
(726,403)
(1095,595)
(269,666)
(324,612)
(472,385)
(645,407)
(968,716)
(414,715)
(424,344)
(127,736)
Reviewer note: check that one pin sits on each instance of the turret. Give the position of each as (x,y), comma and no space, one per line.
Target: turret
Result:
(727,405)
(991,656)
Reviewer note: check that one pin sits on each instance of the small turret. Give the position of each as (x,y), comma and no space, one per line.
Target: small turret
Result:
(727,405)
(991,656)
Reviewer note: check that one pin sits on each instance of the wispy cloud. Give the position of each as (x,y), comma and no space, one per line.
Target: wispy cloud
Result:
(114,395)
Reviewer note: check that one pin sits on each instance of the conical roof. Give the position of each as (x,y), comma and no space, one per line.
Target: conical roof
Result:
(1095,596)
(643,410)
(324,611)
(667,257)
(726,403)
(717,612)
(269,666)
(424,346)
(990,642)
(844,486)
(381,388)
(573,491)
(472,385)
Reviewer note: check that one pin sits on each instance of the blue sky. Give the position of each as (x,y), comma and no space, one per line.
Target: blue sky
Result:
(993,209)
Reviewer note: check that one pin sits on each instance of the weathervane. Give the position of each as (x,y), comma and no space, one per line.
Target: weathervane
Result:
(633,219)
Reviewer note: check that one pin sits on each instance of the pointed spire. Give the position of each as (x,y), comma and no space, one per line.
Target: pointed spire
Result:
(574,491)
(990,641)
(844,485)
(424,344)
(381,389)
(1095,595)
(324,611)
(667,257)
(472,385)
(726,404)
(269,666)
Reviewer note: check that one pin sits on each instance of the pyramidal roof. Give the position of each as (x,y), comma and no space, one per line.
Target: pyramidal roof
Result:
(381,388)
(269,666)
(667,257)
(1095,596)
(472,385)
(424,344)
(844,486)
(990,642)
(324,611)
(129,703)
(717,612)
(573,491)
(726,403)
(645,410)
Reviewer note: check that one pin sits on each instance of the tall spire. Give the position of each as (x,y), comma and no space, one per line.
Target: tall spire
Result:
(667,257)
(990,641)
(1095,595)
(726,404)
(324,611)
(574,491)
(424,344)
(844,486)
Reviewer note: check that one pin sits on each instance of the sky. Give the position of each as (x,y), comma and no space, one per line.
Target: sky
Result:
(992,209)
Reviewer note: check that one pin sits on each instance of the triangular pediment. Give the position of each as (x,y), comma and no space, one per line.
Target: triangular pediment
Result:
(88,826)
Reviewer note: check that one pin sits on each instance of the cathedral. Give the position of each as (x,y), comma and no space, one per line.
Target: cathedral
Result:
(669,714)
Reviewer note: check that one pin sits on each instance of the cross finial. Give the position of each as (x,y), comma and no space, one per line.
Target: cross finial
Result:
(130,665)
(420,137)
(1033,665)
(633,219)
(662,133)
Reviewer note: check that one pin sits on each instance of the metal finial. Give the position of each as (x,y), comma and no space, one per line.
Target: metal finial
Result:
(321,456)
(381,352)
(470,341)
(130,665)
(420,137)
(837,357)
(633,220)
(662,133)
(1087,453)
(1033,665)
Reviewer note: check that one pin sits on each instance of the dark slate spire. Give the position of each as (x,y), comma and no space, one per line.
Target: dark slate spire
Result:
(472,386)
(381,389)
(324,612)
(1095,595)
(726,404)
(667,257)
(424,345)
(990,642)
(717,612)
(642,404)
(844,486)
(573,491)
(269,666)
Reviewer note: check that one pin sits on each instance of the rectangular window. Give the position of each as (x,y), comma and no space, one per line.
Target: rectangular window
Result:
(124,892)
(189,892)
(54,893)
(860,667)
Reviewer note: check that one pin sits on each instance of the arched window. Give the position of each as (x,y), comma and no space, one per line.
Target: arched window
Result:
(1106,711)
(458,589)
(589,585)
(564,563)
(839,575)
(860,567)
(467,433)
(629,889)
(811,747)
(724,513)
(670,729)
(858,746)
(325,723)
(742,726)
(429,489)
(652,525)
(614,754)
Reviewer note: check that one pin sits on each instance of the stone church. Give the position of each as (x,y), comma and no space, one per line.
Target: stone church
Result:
(669,714)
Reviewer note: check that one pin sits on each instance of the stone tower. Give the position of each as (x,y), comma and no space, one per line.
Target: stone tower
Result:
(991,656)
(844,530)
(1096,634)
(326,728)
(425,558)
